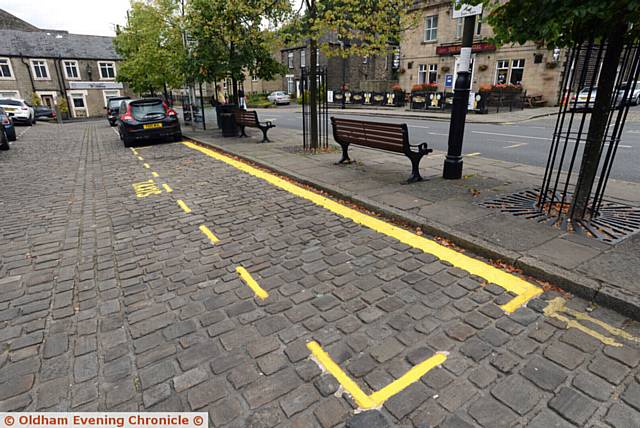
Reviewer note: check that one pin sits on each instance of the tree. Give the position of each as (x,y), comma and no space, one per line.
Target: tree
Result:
(227,38)
(366,28)
(568,23)
(151,46)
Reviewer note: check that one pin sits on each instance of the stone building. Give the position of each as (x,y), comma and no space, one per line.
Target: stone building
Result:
(53,65)
(429,54)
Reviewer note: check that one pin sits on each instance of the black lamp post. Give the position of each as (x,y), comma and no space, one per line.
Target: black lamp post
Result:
(453,163)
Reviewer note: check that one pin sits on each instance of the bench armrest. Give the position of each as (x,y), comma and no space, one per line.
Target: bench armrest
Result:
(422,148)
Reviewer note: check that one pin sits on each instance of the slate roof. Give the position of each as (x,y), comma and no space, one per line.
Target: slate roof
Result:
(43,44)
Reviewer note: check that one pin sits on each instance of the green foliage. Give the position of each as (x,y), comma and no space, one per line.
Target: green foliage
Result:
(559,23)
(229,38)
(63,107)
(151,46)
(35,100)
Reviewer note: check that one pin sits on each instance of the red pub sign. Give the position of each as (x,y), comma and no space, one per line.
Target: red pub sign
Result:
(455,49)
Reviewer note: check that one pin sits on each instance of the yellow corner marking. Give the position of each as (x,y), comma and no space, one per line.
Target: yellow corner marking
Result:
(146,188)
(184,206)
(248,279)
(209,234)
(140,158)
(167,188)
(557,305)
(155,174)
(523,290)
(378,398)
(146,165)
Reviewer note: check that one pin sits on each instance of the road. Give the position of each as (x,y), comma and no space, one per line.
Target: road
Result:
(170,277)
(527,143)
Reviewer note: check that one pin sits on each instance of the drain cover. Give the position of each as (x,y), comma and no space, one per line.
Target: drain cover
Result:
(612,224)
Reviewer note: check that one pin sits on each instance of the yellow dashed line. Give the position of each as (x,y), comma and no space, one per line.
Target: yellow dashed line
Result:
(155,174)
(523,290)
(248,279)
(167,188)
(209,234)
(184,206)
(146,165)
(376,399)
(140,158)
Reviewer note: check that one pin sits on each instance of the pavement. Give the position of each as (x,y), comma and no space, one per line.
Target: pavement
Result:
(172,277)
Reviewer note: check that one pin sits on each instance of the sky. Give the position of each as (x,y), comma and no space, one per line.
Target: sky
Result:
(97,17)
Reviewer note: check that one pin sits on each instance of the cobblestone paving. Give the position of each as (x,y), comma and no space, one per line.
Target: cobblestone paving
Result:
(114,302)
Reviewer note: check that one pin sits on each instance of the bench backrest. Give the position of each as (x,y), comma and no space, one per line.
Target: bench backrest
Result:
(386,136)
(247,118)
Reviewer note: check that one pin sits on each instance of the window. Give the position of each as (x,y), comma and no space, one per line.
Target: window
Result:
(40,69)
(71,70)
(502,71)
(5,69)
(517,70)
(431,28)
(422,73)
(107,70)
(433,73)
(78,101)
(303,58)
(290,59)
(460,26)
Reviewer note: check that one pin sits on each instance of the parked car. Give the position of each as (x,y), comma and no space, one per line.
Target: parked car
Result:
(146,119)
(279,97)
(44,113)
(7,124)
(634,93)
(113,109)
(4,140)
(18,110)
(587,97)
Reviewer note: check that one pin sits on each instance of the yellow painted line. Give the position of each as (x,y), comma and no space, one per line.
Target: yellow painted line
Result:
(473,154)
(146,165)
(248,279)
(140,158)
(146,188)
(155,174)
(378,398)
(209,234)
(523,290)
(184,206)
(557,305)
(167,188)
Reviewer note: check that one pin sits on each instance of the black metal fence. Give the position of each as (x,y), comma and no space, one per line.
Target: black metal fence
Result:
(321,132)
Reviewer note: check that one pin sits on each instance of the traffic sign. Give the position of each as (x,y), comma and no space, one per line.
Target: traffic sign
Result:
(460,10)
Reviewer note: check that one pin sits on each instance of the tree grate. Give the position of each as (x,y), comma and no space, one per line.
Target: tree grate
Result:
(613,223)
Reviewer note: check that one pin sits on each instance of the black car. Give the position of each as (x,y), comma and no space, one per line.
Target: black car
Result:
(113,109)
(4,140)
(44,113)
(147,118)
(7,124)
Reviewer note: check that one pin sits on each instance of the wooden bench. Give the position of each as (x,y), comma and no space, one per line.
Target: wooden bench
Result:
(245,118)
(534,101)
(391,137)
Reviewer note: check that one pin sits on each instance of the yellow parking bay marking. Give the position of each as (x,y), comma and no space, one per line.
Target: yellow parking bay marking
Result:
(155,174)
(167,188)
(140,158)
(523,290)
(376,399)
(184,206)
(209,234)
(146,188)
(557,305)
(146,165)
(248,279)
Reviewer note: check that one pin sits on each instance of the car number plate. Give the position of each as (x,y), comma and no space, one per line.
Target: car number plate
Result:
(9,109)
(152,125)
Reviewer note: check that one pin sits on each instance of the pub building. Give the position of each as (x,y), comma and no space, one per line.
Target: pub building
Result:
(429,53)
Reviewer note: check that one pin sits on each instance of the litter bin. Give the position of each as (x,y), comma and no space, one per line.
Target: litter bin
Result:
(228,123)
(223,108)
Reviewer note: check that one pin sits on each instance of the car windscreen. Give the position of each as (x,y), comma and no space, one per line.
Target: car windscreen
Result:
(6,102)
(147,110)
(113,104)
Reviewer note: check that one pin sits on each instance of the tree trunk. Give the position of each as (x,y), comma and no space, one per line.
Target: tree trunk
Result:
(598,123)
(313,94)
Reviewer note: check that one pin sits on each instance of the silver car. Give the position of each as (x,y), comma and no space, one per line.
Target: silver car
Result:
(586,99)
(279,97)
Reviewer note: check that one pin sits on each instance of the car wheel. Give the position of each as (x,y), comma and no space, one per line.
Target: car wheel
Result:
(4,141)
(33,121)
(127,142)
(11,134)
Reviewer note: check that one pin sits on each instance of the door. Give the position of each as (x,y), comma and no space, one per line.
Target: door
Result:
(47,100)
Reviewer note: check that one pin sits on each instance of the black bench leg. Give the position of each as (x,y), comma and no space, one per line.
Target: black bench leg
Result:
(242,132)
(415,169)
(264,135)
(345,154)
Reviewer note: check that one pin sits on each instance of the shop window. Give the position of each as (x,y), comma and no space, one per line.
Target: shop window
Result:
(517,70)
(502,71)
(422,73)
(433,73)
